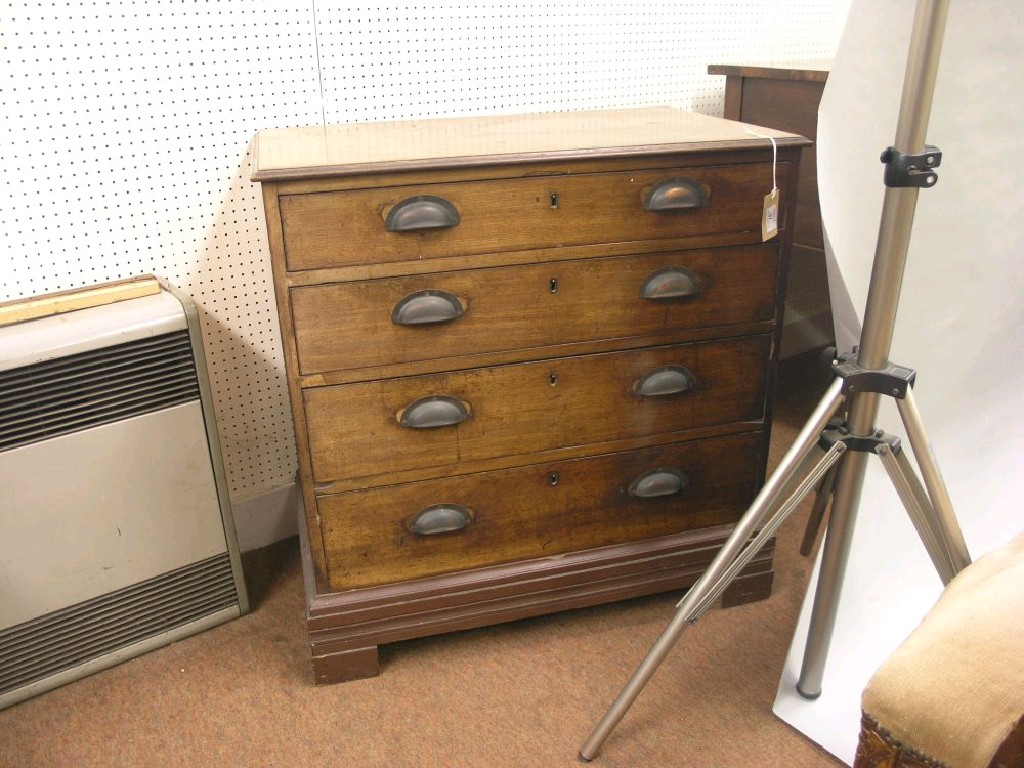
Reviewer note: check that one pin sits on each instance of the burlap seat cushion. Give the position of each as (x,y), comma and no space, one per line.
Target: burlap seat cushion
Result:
(953,693)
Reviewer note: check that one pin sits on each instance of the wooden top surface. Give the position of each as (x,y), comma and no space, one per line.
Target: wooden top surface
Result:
(296,153)
(810,70)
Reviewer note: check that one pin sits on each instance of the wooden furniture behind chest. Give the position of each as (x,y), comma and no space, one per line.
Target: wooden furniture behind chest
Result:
(530,361)
(786,96)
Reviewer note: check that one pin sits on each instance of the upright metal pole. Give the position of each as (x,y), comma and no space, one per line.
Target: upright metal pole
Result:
(876,337)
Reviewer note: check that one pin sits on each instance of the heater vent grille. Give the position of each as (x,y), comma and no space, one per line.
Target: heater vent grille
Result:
(68,394)
(54,642)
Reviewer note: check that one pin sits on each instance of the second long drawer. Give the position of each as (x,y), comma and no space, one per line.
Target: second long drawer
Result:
(448,315)
(444,419)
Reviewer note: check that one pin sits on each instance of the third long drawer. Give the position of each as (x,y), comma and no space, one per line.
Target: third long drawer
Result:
(441,420)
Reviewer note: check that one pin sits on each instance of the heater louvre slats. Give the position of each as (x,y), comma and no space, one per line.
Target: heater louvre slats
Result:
(71,402)
(59,405)
(198,579)
(71,381)
(90,647)
(89,389)
(150,346)
(72,636)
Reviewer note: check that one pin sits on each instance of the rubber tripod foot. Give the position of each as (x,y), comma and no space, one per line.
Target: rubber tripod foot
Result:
(808,696)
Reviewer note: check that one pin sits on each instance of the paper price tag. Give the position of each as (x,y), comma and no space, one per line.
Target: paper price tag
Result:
(770,216)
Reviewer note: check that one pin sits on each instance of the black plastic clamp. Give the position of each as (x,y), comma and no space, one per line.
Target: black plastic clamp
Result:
(911,170)
(893,380)
(862,443)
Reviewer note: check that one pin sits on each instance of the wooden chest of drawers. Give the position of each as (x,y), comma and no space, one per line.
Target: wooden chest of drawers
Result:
(530,360)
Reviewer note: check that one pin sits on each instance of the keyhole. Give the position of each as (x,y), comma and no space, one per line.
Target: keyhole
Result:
(553,478)
(553,285)
(553,378)
(554,200)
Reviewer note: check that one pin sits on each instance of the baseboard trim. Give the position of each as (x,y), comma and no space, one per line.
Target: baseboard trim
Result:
(265,519)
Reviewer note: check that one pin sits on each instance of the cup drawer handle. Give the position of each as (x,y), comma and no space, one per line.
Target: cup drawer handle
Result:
(675,195)
(421,212)
(433,411)
(665,382)
(670,283)
(440,518)
(656,483)
(428,307)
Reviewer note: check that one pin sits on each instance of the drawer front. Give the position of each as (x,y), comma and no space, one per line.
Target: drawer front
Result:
(360,226)
(361,430)
(357,325)
(413,530)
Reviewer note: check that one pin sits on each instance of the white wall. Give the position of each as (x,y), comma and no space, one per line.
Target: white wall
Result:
(126,129)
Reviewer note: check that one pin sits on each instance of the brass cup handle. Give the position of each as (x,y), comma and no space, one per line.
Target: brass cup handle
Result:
(432,412)
(671,284)
(440,518)
(665,382)
(658,483)
(429,307)
(415,214)
(673,195)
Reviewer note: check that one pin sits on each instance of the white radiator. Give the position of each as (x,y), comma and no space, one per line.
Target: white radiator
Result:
(116,534)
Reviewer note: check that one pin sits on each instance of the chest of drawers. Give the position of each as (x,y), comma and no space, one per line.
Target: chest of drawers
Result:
(530,361)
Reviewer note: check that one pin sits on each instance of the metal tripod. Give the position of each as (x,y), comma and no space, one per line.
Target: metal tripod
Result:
(831,451)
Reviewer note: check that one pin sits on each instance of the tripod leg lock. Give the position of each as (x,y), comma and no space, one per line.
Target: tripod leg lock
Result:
(904,170)
(862,443)
(893,380)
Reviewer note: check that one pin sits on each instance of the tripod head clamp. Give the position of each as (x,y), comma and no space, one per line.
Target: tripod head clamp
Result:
(893,380)
(904,170)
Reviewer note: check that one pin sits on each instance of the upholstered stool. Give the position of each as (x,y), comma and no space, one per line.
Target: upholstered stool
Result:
(953,693)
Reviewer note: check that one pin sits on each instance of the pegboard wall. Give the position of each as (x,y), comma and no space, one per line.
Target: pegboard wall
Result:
(127,126)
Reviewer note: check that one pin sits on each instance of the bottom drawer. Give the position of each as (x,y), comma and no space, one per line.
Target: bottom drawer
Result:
(413,530)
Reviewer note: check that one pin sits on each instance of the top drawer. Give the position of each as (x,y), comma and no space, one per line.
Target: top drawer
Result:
(429,221)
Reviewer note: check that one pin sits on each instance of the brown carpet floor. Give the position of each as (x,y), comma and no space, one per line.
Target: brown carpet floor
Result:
(521,695)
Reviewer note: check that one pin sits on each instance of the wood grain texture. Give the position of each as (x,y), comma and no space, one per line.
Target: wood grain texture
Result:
(785,96)
(348,325)
(516,410)
(331,229)
(358,148)
(545,266)
(21,310)
(791,105)
(533,511)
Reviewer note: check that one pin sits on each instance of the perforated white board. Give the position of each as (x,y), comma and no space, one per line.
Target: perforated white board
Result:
(126,129)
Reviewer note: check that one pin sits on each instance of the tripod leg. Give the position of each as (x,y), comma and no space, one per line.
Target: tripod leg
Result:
(834,556)
(825,490)
(781,479)
(945,518)
(919,509)
(816,470)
